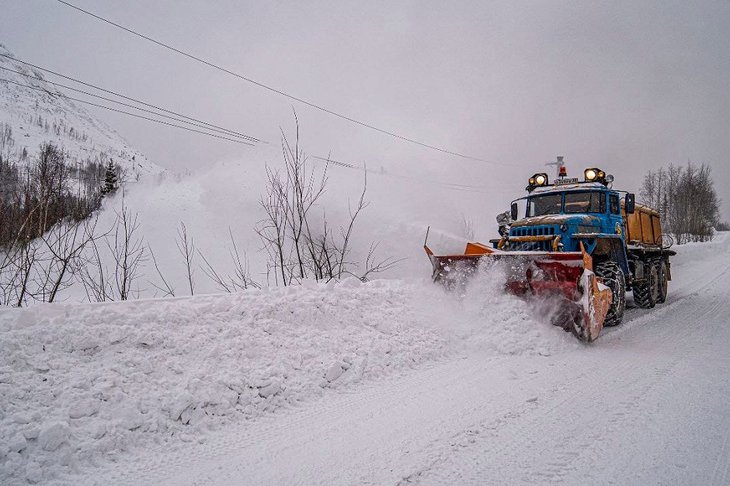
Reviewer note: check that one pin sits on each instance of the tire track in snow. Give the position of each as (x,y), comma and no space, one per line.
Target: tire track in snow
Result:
(472,431)
(589,391)
(522,440)
(379,400)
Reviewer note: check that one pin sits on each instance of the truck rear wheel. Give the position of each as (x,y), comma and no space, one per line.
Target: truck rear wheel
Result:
(613,277)
(647,291)
(662,280)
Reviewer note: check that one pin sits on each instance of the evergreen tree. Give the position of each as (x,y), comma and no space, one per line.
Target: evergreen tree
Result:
(111,180)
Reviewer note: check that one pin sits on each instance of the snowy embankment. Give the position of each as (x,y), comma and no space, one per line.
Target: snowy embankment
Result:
(82,384)
(85,384)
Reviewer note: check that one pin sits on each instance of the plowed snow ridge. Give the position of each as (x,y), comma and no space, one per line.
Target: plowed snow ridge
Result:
(386,382)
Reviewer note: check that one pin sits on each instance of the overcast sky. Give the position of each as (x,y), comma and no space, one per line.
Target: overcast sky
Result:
(626,86)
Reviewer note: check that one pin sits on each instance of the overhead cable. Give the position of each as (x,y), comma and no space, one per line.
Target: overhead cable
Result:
(232,132)
(128,105)
(277,91)
(448,185)
(132,114)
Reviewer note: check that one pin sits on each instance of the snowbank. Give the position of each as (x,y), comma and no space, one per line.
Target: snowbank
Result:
(84,383)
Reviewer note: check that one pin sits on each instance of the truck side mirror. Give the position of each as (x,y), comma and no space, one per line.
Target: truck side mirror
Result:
(513,211)
(630,203)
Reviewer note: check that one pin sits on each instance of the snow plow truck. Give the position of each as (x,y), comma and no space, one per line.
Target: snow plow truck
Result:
(578,241)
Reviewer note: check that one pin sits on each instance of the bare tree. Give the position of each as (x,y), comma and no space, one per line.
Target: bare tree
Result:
(372,266)
(273,230)
(239,280)
(166,288)
(94,275)
(186,247)
(39,269)
(16,265)
(25,269)
(40,189)
(7,144)
(128,253)
(65,242)
(300,241)
(685,198)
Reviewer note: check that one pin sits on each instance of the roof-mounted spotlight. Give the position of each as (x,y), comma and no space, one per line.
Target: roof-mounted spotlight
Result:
(594,175)
(538,180)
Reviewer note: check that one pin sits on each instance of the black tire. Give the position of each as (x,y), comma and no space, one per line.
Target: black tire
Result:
(613,277)
(646,292)
(662,280)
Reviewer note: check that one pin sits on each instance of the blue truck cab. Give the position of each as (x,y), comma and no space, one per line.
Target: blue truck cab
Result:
(570,212)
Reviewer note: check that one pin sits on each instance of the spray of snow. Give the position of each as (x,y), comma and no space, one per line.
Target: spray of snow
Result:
(483,318)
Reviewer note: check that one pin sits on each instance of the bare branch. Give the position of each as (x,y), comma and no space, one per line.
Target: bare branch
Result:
(186,247)
(166,288)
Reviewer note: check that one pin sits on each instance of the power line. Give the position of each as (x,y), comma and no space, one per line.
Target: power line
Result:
(225,132)
(275,90)
(133,114)
(253,139)
(453,186)
(448,185)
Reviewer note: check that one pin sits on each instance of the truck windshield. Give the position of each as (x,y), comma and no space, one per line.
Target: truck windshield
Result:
(542,205)
(574,203)
(585,202)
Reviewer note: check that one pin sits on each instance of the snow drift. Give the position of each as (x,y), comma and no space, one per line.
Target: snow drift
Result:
(83,383)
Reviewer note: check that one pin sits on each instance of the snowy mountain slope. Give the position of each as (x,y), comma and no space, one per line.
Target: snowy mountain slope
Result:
(42,114)
(378,383)
(224,197)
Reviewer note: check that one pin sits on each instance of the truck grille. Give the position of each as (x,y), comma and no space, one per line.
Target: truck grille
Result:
(540,230)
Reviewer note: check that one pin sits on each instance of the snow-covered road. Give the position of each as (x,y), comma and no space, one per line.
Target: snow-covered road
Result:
(645,404)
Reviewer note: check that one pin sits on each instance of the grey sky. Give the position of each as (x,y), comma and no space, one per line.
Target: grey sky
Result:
(628,86)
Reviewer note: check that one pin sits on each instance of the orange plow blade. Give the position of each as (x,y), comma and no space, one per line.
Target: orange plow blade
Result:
(567,276)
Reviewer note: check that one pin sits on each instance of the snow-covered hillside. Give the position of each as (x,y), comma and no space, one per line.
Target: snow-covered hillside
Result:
(222,198)
(378,383)
(38,112)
